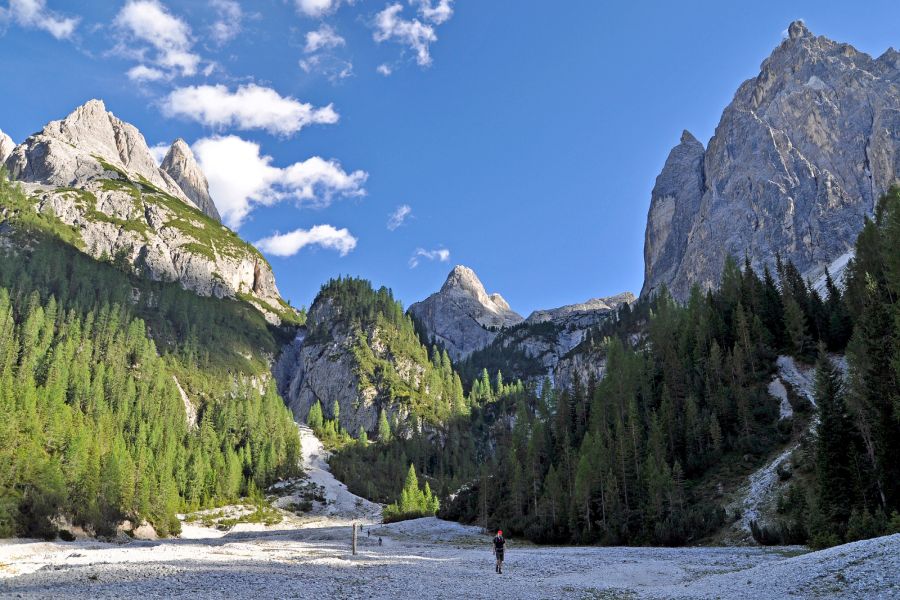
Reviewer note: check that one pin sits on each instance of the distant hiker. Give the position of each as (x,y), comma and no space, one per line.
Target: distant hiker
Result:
(369,533)
(379,541)
(499,544)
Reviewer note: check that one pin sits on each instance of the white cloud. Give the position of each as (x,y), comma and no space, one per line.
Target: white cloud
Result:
(399,215)
(159,151)
(240,179)
(389,24)
(228,24)
(323,37)
(152,27)
(440,254)
(326,236)
(141,73)
(249,107)
(436,14)
(35,14)
(319,8)
(384,69)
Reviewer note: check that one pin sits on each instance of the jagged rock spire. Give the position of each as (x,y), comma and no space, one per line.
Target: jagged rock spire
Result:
(181,166)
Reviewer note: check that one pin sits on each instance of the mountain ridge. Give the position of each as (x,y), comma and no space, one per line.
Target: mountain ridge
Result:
(95,174)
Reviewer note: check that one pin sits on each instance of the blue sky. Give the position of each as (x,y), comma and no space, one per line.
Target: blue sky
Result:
(524,137)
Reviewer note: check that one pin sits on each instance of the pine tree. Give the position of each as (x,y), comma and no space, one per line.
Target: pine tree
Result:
(834,446)
(384,428)
(315,419)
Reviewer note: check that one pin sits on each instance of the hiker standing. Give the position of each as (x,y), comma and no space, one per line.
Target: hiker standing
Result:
(499,544)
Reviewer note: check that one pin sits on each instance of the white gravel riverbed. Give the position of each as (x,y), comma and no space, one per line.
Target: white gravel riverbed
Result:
(310,557)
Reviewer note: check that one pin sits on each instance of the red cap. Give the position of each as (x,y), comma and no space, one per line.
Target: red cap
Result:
(499,532)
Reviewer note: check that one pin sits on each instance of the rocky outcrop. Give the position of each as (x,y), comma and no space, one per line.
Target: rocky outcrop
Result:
(674,203)
(581,314)
(182,167)
(462,317)
(325,369)
(797,161)
(6,147)
(95,173)
(549,336)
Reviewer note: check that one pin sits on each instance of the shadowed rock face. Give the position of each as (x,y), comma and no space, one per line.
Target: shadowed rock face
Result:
(462,316)
(182,167)
(797,161)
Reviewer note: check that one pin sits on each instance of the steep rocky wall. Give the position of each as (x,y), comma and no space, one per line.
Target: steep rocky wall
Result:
(797,161)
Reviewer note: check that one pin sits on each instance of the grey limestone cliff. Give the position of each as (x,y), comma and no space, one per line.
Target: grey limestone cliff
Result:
(797,161)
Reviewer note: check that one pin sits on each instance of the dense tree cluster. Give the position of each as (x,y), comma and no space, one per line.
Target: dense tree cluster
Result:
(414,501)
(856,493)
(93,426)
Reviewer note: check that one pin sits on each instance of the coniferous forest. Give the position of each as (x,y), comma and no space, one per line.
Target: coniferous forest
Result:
(94,426)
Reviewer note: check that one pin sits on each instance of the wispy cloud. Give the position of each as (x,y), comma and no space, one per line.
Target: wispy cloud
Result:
(241,179)
(319,8)
(228,23)
(399,215)
(384,69)
(434,13)
(152,34)
(248,107)
(439,254)
(34,14)
(325,37)
(326,236)
(142,73)
(390,24)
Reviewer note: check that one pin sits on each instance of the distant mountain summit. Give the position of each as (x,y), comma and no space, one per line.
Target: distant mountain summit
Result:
(462,317)
(796,163)
(95,174)
(589,308)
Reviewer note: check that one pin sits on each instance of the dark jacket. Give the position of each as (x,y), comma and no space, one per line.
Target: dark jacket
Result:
(499,543)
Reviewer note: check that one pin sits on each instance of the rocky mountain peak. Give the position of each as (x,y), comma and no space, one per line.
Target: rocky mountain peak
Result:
(82,147)
(96,174)
(462,316)
(688,138)
(797,30)
(6,147)
(464,278)
(797,162)
(181,166)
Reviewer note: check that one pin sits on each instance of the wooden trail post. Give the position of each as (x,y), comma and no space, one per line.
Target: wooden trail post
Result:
(354,539)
